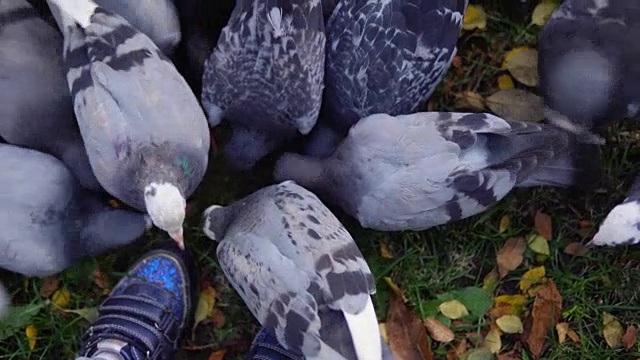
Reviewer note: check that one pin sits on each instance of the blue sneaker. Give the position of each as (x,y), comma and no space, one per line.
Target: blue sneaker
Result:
(147,311)
(266,347)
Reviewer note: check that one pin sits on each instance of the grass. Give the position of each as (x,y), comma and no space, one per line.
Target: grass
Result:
(426,263)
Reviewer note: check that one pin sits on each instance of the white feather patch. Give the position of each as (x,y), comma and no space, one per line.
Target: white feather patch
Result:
(275,19)
(79,10)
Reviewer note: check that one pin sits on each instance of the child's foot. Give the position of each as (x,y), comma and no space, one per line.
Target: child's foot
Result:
(266,347)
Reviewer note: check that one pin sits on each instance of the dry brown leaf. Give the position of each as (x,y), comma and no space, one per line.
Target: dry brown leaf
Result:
(612,330)
(101,280)
(545,314)
(217,355)
(385,251)
(456,62)
(509,355)
(407,334)
(574,336)
(629,338)
(543,225)
(461,346)
(49,285)
(576,249)
(562,329)
(438,331)
(469,100)
(516,105)
(510,256)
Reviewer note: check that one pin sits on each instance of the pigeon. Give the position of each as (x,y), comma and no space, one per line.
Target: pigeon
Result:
(49,221)
(145,133)
(383,56)
(36,110)
(622,224)
(588,66)
(299,272)
(158,19)
(265,76)
(413,172)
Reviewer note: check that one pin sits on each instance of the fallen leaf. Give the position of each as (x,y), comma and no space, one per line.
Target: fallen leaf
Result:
(516,105)
(456,62)
(507,305)
(523,66)
(101,280)
(383,332)
(460,346)
(217,355)
(115,203)
(513,52)
(49,285)
(542,12)
(510,324)
(407,334)
(562,329)
(492,341)
(474,18)
(206,303)
(543,225)
(31,333)
(469,100)
(505,82)
(396,289)
(576,249)
(629,338)
(476,300)
(538,244)
(545,314)
(530,278)
(438,331)
(218,319)
(509,355)
(612,330)
(510,255)
(61,298)
(90,314)
(480,353)
(453,309)
(385,251)
(18,317)
(505,221)
(574,336)
(490,281)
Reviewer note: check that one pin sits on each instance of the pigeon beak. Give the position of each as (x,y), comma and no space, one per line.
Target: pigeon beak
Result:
(178,238)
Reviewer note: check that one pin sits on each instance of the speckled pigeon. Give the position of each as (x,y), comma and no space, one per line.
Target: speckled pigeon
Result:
(299,272)
(158,19)
(36,110)
(383,56)
(265,76)
(622,224)
(588,63)
(145,132)
(48,221)
(413,172)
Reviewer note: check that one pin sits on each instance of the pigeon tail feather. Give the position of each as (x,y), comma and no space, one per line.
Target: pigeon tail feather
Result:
(76,11)
(363,328)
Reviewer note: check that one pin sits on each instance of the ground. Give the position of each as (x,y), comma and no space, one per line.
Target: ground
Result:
(424,264)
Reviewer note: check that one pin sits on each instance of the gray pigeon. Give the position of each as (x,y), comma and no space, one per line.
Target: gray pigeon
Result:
(158,19)
(265,76)
(413,172)
(36,110)
(144,130)
(383,56)
(299,272)
(622,224)
(588,63)
(49,221)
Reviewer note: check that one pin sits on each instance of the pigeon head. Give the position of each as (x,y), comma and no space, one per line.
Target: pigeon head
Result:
(214,221)
(166,207)
(247,147)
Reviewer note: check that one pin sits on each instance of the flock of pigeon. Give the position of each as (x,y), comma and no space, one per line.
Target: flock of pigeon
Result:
(92,107)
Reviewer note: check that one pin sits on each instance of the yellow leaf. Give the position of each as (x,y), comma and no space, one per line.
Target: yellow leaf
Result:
(492,341)
(562,329)
(383,332)
(512,53)
(206,303)
(523,66)
(543,12)
(453,309)
(539,245)
(474,18)
(507,305)
(31,333)
(61,298)
(612,330)
(395,288)
(438,331)
(385,251)
(510,324)
(505,82)
(469,100)
(530,278)
(490,281)
(505,221)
